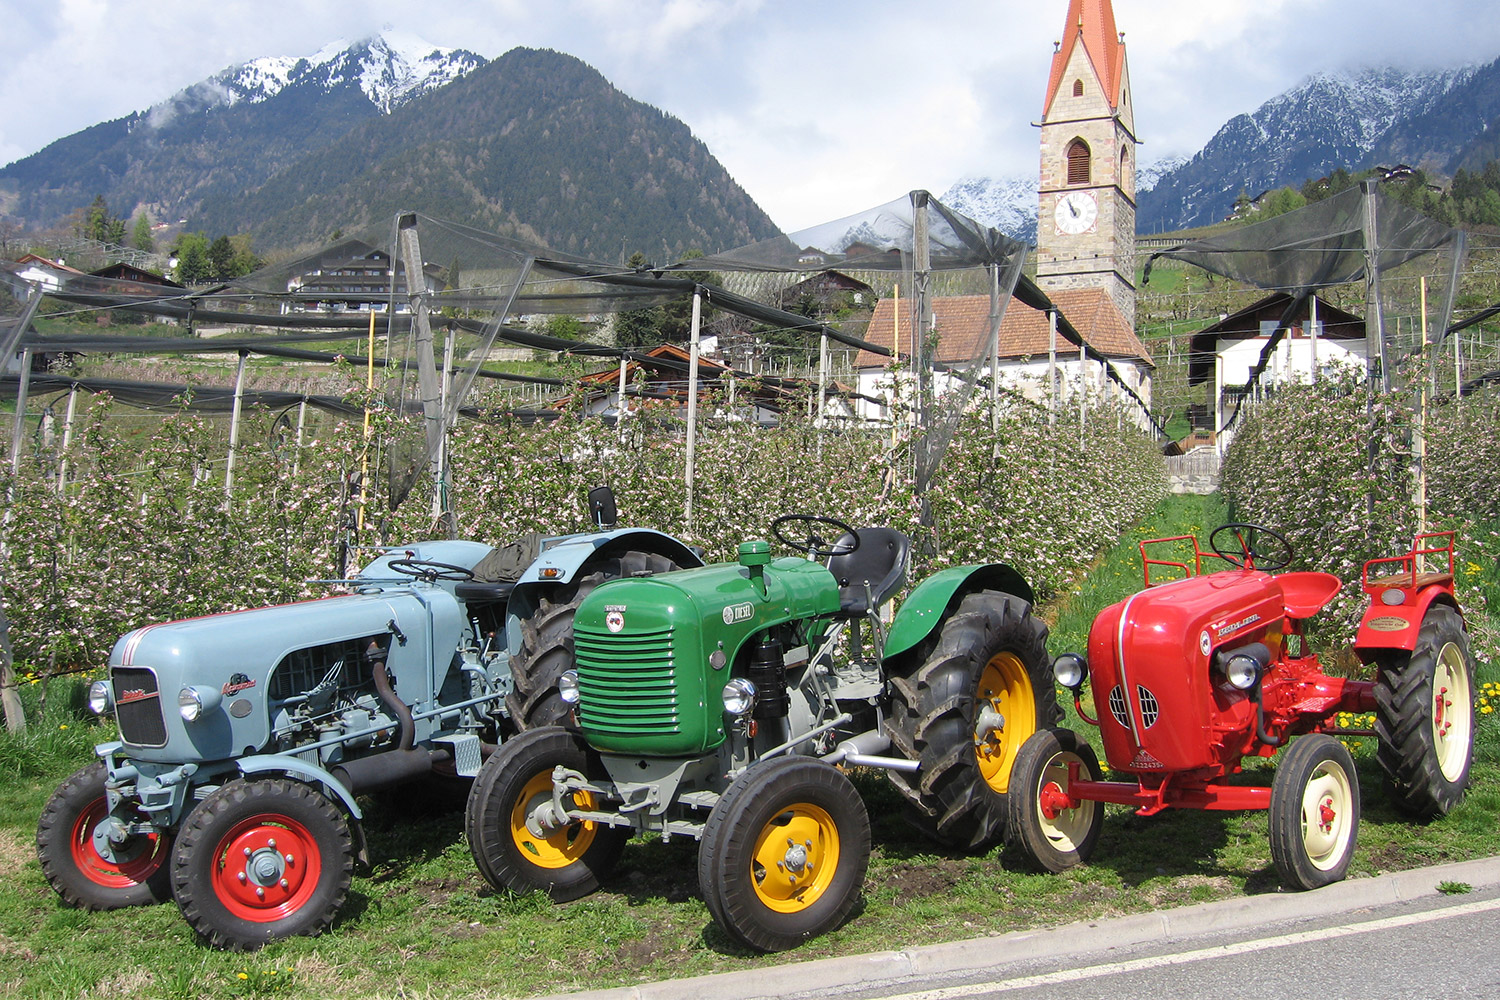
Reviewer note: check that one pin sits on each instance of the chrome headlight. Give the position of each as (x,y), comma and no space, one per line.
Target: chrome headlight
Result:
(101,698)
(1070,669)
(193,702)
(567,686)
(1243,671)
(739,697)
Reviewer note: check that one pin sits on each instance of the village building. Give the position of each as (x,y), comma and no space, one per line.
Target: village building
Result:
(1026,348)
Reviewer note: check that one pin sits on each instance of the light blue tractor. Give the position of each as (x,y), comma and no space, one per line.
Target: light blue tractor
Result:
(245,738)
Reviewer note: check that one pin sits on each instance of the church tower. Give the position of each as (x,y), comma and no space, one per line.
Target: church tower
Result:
(1086,220)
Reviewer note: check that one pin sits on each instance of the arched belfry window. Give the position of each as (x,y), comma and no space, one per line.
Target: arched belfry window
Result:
(1077,88)
(1078,162)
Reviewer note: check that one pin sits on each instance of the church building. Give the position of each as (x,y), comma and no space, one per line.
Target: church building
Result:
(1086,218)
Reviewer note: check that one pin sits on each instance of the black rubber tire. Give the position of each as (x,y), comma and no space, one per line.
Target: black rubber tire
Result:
(246,815)
(935,708)
(764,796)
(64,847)
(1427,773)
(501,790)
(1058,843)
(1303,858)
(546,649)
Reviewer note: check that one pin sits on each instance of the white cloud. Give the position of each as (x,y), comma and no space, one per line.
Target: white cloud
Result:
(818,109)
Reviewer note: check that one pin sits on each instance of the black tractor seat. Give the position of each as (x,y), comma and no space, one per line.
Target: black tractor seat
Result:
(477,592)
(871,574)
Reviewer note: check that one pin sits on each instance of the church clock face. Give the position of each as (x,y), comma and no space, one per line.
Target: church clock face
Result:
(1077,211)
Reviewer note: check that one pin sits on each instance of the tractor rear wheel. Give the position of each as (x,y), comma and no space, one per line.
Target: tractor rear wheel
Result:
(784,853)
(87,869)
(1314,812)
(1041,825)
(1424,717)
(546,649)
(517,841)
(261,860)
(984,688)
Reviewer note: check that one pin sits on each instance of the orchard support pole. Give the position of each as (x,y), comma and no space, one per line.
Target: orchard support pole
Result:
(1374,341)
(994,348)
(62,469)
(1052,400)
(234,424)
(428,388)
(692,400)
(18,430)
(301,423)
(10,698)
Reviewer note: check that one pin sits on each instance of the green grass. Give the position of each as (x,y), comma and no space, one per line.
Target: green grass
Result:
(422,923)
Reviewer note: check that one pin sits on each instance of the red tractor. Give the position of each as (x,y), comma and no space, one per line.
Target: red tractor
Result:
(1195,673)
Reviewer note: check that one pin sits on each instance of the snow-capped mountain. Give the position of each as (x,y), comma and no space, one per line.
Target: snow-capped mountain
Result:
(1008,203)
(1331,120)
(389,69)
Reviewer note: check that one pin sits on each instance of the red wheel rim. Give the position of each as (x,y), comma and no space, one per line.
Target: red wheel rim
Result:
(132,866)
(266,868)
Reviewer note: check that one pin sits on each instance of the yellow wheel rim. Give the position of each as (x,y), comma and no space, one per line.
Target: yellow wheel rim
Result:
(795,857)
(1452,717)
(561,846)
(1005,692)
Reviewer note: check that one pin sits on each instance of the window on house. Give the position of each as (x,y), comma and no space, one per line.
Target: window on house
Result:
(1078,162)
(1077,88)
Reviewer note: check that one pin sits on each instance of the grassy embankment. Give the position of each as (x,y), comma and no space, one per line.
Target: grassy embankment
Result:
(422,923)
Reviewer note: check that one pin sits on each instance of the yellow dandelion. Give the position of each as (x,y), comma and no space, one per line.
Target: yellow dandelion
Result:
(242,975)
(1485,710)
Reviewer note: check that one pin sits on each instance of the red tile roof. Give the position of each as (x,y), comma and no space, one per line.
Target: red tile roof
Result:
(963,324)
(1091,22)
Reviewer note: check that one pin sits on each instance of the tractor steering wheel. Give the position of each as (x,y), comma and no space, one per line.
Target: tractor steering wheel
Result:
(1250,552)
(430,571)
(815,545)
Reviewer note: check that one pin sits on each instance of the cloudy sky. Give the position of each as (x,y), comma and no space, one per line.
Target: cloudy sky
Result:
(819,108)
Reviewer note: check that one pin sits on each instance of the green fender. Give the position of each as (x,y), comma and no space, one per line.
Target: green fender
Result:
(935,598)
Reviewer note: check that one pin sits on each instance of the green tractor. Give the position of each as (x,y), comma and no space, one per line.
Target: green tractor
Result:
(726,703)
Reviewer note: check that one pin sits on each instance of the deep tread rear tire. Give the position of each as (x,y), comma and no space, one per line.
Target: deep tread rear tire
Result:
(136,876)
(1314,812)
(1426,751)
(566,865)
(1066,838)
(934,711)
(737,871)
(546,649)
(269,817)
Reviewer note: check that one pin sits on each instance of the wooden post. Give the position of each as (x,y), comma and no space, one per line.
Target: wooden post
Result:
(364,455)
(1419,435)
(692,400)
(819,421)
(620,403)
(1083,392)
(234,424)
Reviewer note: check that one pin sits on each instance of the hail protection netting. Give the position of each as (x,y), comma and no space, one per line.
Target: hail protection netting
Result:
(920,248)
(1392,264)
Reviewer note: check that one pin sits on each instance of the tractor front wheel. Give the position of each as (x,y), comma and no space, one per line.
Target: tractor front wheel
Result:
(1424,717)
(261,860)
(1053,835)
(88,867)
(518,840)
(1314,812)
(546,649)
(784,853)
(982,690)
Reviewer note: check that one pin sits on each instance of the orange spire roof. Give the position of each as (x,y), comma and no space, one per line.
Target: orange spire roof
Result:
(1091,22)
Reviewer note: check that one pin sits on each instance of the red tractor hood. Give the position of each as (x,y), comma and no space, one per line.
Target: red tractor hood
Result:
(1161,704)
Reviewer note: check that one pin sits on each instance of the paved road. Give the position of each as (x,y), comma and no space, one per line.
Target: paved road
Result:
(1394,937)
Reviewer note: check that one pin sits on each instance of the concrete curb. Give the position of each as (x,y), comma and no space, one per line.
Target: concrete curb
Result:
(836,975)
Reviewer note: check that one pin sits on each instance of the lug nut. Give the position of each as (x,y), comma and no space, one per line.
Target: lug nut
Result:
(260,893)
(241,876)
